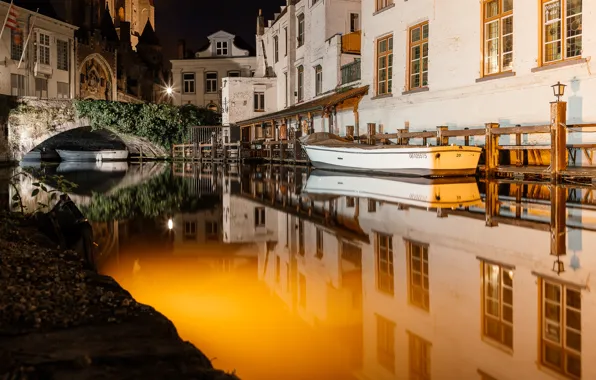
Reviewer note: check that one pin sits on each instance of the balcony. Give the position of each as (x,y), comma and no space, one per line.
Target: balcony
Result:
(350,43)
(350,72)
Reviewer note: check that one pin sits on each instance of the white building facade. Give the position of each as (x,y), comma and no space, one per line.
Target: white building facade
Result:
(199,80)
(464,64)
(47,69)
(302,52)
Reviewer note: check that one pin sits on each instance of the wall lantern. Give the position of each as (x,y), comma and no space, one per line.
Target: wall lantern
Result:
(558,267)
(558,90)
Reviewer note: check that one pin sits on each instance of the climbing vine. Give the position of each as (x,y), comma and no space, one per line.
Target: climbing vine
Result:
(162,124)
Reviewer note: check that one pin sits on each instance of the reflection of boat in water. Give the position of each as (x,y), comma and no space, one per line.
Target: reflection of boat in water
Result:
(328,151)
(422,192)
(98,155)
(98,166)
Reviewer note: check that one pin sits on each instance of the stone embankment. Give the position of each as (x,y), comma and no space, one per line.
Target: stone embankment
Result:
(61,321)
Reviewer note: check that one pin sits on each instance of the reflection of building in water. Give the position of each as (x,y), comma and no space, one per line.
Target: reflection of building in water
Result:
(443,295)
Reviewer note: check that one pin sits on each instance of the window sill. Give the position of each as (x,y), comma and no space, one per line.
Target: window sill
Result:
(496,76)
(384,9)
(259,110)
(416,90)
(568,62)
(497,345)
(381,96)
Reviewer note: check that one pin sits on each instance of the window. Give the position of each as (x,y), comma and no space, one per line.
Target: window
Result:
(221,48)
(318,80)
(259,216)
(561,328)
(62,55)
(300,37)
(188,80)
(63,90)
(301,238)
(384,65)
(287,41)
(276,49)
(498,36)
(497,292)
(354,22)
(350,202)
(16,44)
(386,343)
(17,84)
(43,46)
(210,82)
(319,239)
(383,4)
(190,230)
(561,30)
(418,56)
(300,83)
(419,357)
(418,293)
(233,74)
(287,86)
(372,205)
(259,101)
(211,230)
(302,290)
(384,267)
(277,269)
(41,88)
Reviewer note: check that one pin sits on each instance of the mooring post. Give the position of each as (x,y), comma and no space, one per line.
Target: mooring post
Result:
(491,149)
(492,203)
(466,138)
(442,140)
(519,154)
(558,223)
(372,131)
(558,135)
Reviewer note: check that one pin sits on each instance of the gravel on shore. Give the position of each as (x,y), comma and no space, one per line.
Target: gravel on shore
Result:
(60,321)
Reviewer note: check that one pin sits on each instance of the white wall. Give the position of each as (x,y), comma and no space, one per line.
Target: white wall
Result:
(239,221)
(238,94)
(454,97)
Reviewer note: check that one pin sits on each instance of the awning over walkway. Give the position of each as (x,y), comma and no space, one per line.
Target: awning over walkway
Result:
(317,105)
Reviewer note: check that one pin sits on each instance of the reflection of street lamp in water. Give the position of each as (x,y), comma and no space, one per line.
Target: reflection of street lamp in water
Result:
(170,224)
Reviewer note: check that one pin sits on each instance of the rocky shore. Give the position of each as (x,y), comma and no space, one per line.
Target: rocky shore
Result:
(61,321)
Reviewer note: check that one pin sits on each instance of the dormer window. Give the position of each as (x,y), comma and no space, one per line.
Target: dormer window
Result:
(221,48)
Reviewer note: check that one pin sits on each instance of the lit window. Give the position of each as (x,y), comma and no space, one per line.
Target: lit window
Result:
(384,65)
(498,36)
(497,318)
(221,48)
(211,82)
(188,80)
(561,29)
(418,68)
(318,80)
(259,101)
(384,266)
(418,284)
(561,339)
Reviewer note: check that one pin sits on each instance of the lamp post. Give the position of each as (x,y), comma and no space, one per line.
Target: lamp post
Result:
(558,90)
(558,133)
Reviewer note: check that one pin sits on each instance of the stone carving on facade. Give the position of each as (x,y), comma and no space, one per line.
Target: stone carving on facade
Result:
(95,83)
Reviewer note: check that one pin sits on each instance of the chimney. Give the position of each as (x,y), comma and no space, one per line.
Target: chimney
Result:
(260,24)
(181,49)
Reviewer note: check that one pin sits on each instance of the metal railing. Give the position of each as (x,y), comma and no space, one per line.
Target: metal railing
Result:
(350,72)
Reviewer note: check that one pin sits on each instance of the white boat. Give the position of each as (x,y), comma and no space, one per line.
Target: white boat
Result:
(328,151)
(97,155)
(97,166)
(421,192)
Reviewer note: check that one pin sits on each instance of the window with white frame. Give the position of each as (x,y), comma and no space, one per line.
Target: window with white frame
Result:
(354,22)
(259,216)
(318,80)
(41,88)
(211,82)
(275,49)
(17,84)
(259,101)
(43,48)
(63,90)
(287,87)
(188,81)
(300,37)
(221,48)
(62,55)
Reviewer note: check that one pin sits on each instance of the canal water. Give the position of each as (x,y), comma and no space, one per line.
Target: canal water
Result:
(278,273)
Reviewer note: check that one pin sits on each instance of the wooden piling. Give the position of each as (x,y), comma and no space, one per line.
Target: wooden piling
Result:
(558,135)
(442,140)
(558,223)
(372,131)
(492,203)
(491,148)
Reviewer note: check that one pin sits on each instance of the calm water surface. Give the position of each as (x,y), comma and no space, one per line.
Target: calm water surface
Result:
(276,273)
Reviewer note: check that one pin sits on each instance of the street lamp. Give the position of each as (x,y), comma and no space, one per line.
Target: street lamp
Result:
(170,224)
(169,91)
(559,90)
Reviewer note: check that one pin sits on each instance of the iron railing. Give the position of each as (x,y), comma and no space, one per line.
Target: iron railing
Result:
(350,72)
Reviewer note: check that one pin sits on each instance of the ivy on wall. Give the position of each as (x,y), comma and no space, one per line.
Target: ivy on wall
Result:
(162,124)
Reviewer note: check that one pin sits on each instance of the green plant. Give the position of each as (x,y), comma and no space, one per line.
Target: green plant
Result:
(40,186)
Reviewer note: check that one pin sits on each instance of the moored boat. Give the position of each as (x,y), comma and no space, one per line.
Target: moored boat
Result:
(328,151)
(421,192)
(98,155)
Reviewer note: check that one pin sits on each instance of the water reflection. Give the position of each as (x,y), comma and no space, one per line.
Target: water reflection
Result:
(280,274)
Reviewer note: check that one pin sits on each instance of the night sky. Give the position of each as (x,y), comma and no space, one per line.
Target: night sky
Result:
(194,20)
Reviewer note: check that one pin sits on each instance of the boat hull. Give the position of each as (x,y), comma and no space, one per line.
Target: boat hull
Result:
(100,155)
(413,161)
(420,192)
